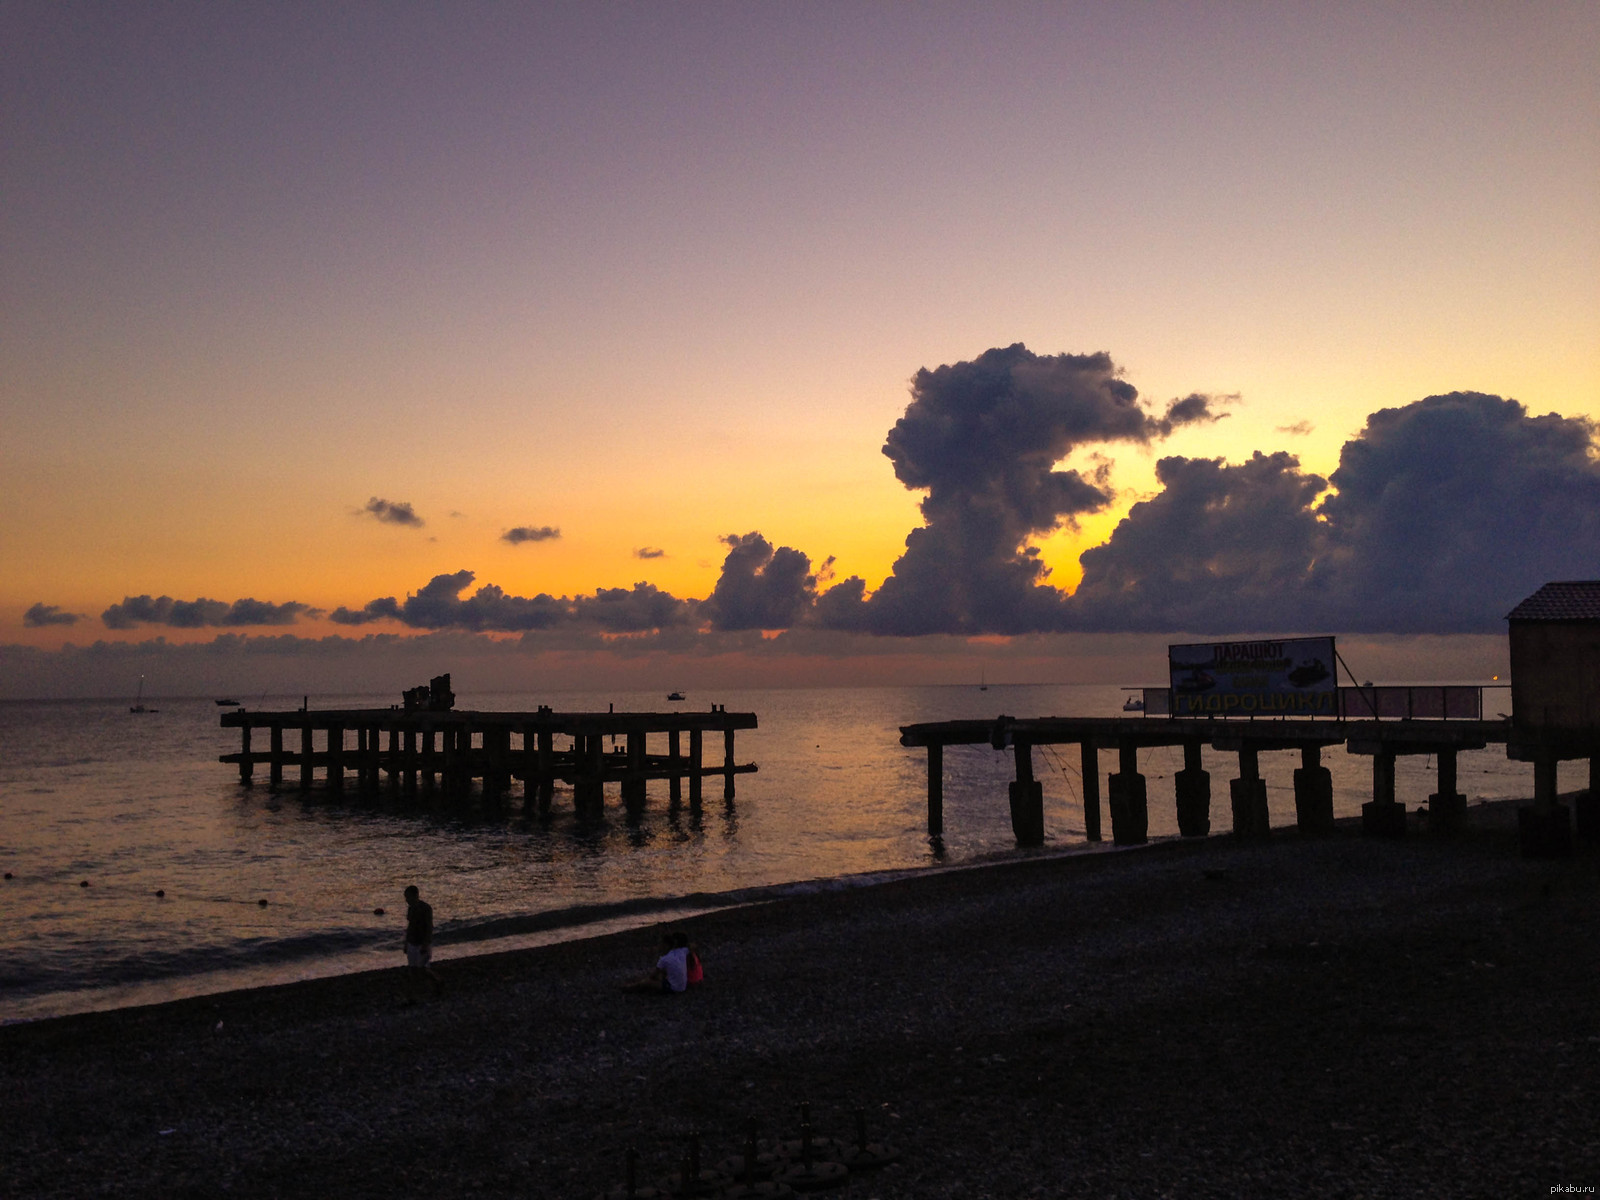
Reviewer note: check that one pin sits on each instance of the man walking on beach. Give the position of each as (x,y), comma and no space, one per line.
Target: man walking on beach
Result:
(419,936)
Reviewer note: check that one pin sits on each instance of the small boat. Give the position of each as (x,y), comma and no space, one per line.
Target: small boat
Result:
(226,703)
(674,695)
(1133,704)
(138,705)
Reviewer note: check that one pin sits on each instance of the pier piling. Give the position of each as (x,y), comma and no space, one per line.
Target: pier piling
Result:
(1130,807)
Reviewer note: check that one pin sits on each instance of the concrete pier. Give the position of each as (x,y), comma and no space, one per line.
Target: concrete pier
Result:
(1383,739)
(446,751)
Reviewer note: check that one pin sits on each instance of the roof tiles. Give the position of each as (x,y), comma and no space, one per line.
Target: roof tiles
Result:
(1575,600)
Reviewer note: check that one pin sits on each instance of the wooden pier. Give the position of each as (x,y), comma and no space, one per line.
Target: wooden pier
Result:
(419,748)
(1384,741)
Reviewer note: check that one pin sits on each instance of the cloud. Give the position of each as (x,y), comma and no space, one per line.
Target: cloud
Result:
(761,587)
(984,438)
(1441,515)
(41,615)
(202,613)
(1447,512)
(638,609)
(1298,429)
(1218,547)
(530,533)
(440,605)
(394,512)
(649,552)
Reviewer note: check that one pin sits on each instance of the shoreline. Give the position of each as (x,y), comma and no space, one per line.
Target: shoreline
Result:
(1339,1016)
(494,936)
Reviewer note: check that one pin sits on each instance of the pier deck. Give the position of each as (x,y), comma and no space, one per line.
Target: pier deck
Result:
(422,748)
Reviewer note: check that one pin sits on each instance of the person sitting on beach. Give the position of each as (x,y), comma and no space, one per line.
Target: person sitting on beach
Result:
(677,967)
(419,936)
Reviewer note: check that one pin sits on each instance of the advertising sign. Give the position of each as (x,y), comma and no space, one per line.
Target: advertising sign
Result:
(1293,677)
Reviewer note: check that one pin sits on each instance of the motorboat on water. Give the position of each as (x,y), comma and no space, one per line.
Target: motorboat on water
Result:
(674,695)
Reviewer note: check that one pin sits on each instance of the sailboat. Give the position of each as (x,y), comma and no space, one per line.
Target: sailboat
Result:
(983,679)
(138,705)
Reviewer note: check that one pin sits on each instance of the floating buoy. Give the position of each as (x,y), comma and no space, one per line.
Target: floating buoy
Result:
(83,883)
(262,902)
(8,874)
(377,912)
(160,892)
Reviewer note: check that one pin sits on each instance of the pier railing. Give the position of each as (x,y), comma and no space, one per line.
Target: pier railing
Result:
(1407,702)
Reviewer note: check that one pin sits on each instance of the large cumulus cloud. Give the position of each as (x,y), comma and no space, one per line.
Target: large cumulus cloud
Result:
(984,438)
(1441,515)
(1218,547)
(761,586)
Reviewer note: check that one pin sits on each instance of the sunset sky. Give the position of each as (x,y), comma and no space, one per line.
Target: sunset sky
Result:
(308,306)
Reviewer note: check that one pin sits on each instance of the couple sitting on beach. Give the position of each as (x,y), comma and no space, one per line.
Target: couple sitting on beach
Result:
(675,971)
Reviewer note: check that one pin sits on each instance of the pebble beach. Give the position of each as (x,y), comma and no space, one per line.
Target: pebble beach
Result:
(1335,1017)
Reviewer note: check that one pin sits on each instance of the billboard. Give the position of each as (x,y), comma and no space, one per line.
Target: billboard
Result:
(1292,677)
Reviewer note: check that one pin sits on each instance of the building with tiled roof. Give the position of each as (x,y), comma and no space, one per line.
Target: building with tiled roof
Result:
(1555,666)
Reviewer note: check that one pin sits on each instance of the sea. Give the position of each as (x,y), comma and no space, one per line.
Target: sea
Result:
(139,869)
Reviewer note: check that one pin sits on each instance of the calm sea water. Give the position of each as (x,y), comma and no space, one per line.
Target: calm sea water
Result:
(135,803)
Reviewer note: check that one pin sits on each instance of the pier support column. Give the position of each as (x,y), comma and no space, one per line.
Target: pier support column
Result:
(336,757)
(696,762)
(935,789)
(246,766)
(547,769)
(1091,791)
(1249,796)
(1027,799)
(588,788)
(1447,808)
(275,764)
(1383,816)
(1546,828)
(429,757)
(727,764)
(409,760)
(1193,787)
(633,783)
(305,757)
(1587,805)
(497,761)
(1130,807)
(675,767)
(395,756)
(1313,793)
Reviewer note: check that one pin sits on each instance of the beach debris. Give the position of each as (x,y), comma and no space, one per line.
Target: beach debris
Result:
(865,1155)
(262,902)
(161,893)
(815,1168)
(755,1165)
(377,912)
(83,883)
(692,1179)
(630,1189)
